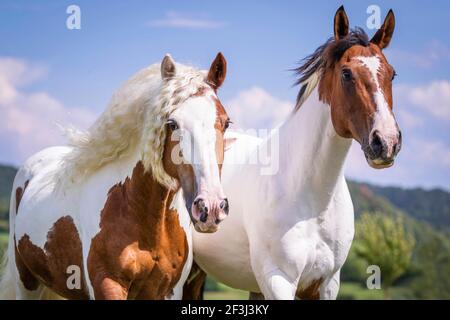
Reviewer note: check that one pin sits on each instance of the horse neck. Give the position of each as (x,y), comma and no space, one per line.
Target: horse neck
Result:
(312,155)
(140,196)
(150,199)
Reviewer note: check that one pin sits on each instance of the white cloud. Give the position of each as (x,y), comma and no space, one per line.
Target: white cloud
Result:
(178,20)
(432,152)
(28,121)
(255,108)
(432,55)
(409,120)
(434,98)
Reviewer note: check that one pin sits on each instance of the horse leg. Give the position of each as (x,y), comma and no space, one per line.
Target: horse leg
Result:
(330,288)
(273,282)
(276,285)
(194,286)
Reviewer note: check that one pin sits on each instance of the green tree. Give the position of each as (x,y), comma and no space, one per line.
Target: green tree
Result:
(384,241)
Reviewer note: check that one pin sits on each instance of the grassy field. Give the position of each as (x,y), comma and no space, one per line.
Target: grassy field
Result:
(356,291)
(226,293)
(348,291)
(3,242)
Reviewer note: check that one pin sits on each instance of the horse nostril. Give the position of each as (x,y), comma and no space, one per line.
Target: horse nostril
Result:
(203,217)
(202,208)
(201,205)
(377,144)
(224,206)
(398,145)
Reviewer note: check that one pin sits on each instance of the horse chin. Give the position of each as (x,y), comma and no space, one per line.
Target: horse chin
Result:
(209,229)
(379,164)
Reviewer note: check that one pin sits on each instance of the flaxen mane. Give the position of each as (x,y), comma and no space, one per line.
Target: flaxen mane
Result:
(311,68)
(135,118)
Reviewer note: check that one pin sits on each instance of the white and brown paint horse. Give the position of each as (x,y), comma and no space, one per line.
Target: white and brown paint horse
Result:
(289,234)
(106,204)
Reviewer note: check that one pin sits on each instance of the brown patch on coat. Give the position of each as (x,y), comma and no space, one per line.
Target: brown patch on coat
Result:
(141,248)
(195,284)
(312,292)
(49,265)
(220,125)
(201,91)
(29,281)
(19,194)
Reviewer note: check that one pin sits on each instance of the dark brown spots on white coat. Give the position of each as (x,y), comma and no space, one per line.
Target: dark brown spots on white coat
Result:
(49,265)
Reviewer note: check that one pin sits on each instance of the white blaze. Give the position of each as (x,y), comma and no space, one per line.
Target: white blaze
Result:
(198,143)
(384,121)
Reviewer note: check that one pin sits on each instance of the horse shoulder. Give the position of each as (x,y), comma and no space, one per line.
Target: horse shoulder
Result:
(94,192)
(342,217)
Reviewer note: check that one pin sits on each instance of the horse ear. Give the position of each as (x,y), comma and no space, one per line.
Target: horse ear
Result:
(168,69)
(384,35)
(217,71)
(341,24)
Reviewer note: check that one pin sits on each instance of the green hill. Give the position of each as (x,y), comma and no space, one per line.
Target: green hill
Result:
(432,206)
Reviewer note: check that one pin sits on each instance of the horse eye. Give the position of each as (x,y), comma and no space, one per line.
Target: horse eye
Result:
(227,124)
(173,125)
(394,75)
(347,75)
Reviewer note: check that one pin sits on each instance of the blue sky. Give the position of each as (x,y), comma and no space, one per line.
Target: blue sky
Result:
(49,73)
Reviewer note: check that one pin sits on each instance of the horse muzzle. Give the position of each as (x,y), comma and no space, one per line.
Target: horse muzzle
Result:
(381,150)
(208,212)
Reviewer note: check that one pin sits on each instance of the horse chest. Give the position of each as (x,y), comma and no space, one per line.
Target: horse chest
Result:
(306,248)
(151,271)
(141,244)
(334,238)
(317,246)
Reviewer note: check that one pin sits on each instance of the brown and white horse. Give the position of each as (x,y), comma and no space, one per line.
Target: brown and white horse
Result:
(97,219)
(289,233)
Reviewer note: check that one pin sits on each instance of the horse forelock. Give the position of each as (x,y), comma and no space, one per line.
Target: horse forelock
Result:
(135,118)
(173,93)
